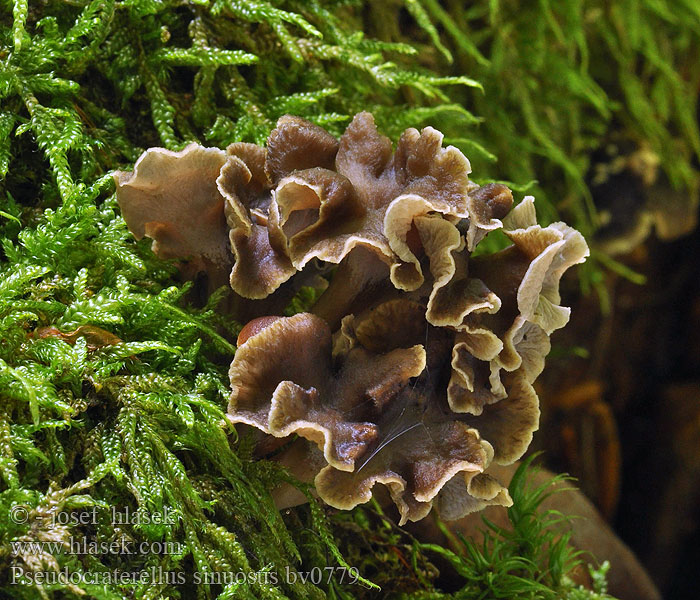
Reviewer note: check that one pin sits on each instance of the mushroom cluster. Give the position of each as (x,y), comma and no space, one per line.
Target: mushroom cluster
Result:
(415,367)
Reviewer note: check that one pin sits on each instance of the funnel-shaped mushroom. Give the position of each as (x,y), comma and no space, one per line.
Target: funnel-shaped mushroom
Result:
(415,367)
(374,401)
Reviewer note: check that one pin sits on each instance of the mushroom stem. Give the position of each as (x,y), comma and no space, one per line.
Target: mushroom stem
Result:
(360,272)
(304,462)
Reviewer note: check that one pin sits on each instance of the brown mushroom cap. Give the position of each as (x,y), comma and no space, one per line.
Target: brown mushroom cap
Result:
(173,198)
(414,467)
(330,198)
(468,493)
(284,382)
(487,205)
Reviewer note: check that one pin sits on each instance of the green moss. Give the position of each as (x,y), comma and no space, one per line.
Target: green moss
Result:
(531,559)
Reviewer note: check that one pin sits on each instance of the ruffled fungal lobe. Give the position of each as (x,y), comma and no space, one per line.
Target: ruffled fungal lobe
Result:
(371,198)
(525,279)
(258,270)
(172,197)
(414,467)
(504,306)
(297,144)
